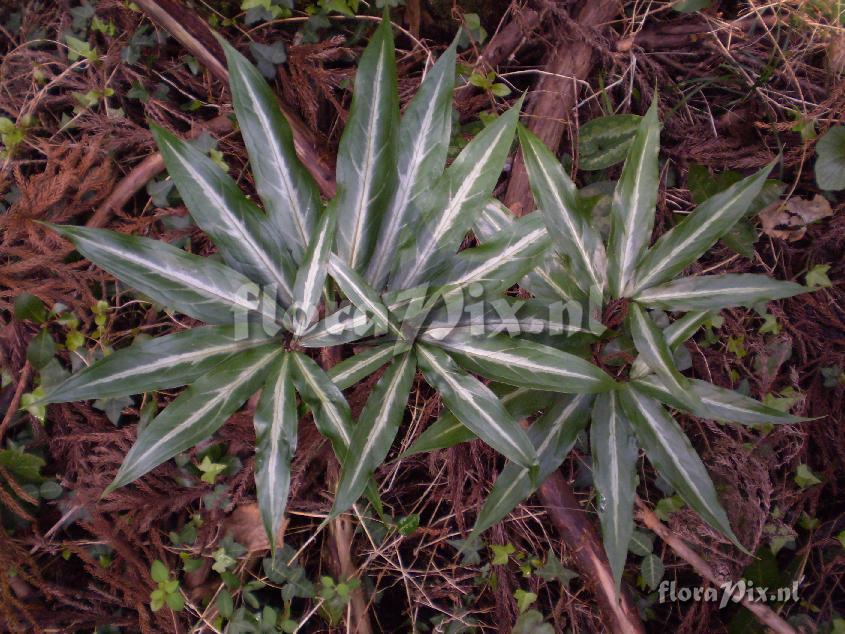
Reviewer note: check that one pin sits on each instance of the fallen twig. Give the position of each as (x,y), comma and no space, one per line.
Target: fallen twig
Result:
(762,612)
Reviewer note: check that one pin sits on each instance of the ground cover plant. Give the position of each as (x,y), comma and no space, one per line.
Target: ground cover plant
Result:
(397,373)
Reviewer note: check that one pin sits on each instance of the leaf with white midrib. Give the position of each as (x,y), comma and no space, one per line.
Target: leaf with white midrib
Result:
(423,144)
(286,188)
(311,276)
(197,413)
(366,155)
(200,287)
(615,453)
(655,351)
(633,205)
(690,239)
(556,195)
(553,435)
(154,364)
(454,205)
(714,292)
(276,424)
(476,406)
(525,363)
(329,408)
(375,430)
(674,458)
(242,233)
(357,367)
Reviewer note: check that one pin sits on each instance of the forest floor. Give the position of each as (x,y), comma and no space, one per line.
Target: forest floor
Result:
(739,83)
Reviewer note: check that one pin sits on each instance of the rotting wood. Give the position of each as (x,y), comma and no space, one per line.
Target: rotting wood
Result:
(551,102)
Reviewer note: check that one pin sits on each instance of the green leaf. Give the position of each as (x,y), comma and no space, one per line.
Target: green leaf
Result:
(375,430)
(604,141)
(553,435)
(817,277)
(719,404)
(366,160)
(41,350)
(311,276)
(557,196)
(476,406)
(288,191)
(695,234)
(196,414)
(154,364)
(198,287)
(830,161)
(633,206)
(447,431)
(526,364)
(714,292)
(495,265)
(276,423)
(805,478)
(357,367)
(501,553)
(328,406)
(652,570)
(524,599)
(424,136)
(362,296)
(28,306)
(615,454)
(655,351)
(676,333)
(159,572)
(456,200)
(25,467)
(248,242)
(553,569)
(674,458)
(641,544)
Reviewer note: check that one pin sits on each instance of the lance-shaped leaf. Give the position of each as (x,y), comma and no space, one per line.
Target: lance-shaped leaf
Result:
(507,315)
(366,159)
(360,293)
(244,236)
(497,264)
(447,431)
(457,200)
(476,406)
(690,239)
(526,364)
(375,430)
(557,196)
(286,188)
(655,351)
(153,364)
(197,413)
(553,435)
(423,143)
(718,403)
(633,205)
(672,454)
(328,406)
(357,367)
(276,424)
(549,279)
(676,333)
(714,292)
(615,453)
(312,273)
(199,287)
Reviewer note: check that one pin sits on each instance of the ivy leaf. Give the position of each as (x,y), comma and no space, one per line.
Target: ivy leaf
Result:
(268,56)
(524,599)
(805,478)
(817,277)
(501,553)
(652,570)
(553,569)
